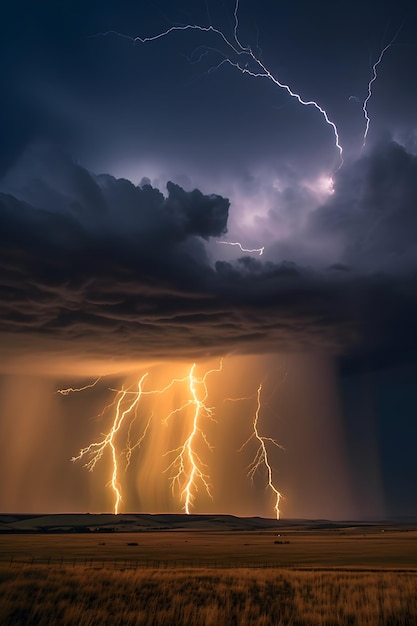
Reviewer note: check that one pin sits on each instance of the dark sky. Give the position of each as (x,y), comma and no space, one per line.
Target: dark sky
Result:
(122,165)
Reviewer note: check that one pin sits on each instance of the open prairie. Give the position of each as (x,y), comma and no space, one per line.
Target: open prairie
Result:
(207,541)
(391,549)
(283,574)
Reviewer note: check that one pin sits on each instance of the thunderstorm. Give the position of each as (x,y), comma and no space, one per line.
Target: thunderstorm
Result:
(161,206)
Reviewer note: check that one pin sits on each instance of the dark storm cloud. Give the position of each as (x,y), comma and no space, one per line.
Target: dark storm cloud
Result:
(372,216)
(373,212)
(48,181)
(98,266)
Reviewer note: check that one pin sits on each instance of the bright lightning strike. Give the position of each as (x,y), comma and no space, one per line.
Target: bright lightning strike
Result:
(260,251)
(261,456)
(187,479)
(371,82)
(241,51)
(95,450)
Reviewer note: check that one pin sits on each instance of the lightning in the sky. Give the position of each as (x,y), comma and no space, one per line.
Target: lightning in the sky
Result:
(94,451)
(261,457)
(246,61)
(371,82)
(187,462)
(66,392)
(188,472)
(186,454)
(259,251)
(130,448)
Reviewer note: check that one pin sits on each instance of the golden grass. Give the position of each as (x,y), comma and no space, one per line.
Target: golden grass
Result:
(113,588)
(40,596)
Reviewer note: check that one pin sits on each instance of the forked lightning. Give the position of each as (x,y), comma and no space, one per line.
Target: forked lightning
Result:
(187,470)
(240,57)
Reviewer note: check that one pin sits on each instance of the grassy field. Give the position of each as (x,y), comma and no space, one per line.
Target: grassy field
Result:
(41,595)
(327,548)
(326,578)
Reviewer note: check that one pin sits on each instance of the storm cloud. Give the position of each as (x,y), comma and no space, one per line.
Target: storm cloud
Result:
(373,211)
(94,265)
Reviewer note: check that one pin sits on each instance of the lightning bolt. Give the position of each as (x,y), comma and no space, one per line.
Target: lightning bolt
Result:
(247,55)
(261,456)
(260,251)
(66,392)
(371,82)
(186,455)
(94,451)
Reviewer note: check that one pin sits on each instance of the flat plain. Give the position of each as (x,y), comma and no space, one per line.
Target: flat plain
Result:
(207,571)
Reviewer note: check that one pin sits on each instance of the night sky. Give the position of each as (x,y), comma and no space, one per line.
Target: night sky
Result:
(124,164)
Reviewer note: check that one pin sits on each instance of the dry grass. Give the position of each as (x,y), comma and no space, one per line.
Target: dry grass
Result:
(111,589)
(41,595)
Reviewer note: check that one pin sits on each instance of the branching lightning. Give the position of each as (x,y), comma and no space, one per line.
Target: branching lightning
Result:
(371,82)
(186,454)
(94,451)
(131,448)
(248,57)
(187,470)
(261,456)
(187,462)
(259,251)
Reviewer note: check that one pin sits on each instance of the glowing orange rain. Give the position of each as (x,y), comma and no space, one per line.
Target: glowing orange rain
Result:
(189,471)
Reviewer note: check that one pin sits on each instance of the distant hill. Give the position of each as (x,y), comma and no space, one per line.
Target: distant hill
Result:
(145,522)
